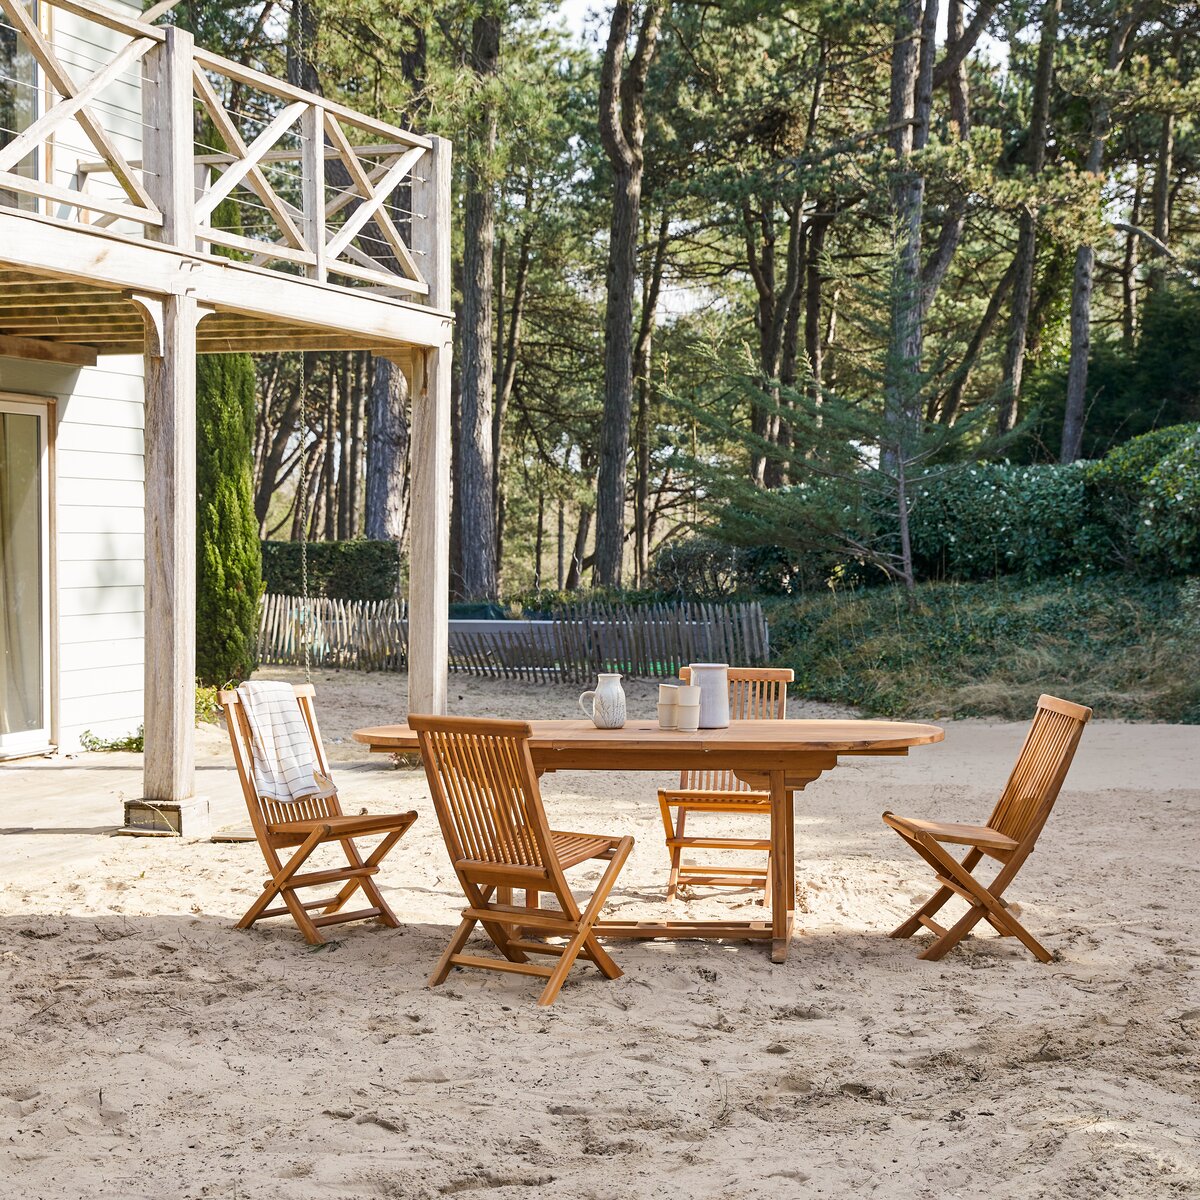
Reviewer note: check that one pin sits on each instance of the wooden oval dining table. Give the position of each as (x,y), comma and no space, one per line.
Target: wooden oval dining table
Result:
(779,757)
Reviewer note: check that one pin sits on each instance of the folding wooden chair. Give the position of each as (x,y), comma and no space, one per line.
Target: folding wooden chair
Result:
(486,794)
(308,823)
(755,693)
(1008,837)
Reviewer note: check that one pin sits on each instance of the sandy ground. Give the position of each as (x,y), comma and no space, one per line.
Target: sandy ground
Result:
(153,1051)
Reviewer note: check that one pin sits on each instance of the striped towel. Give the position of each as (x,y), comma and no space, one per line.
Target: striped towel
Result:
(284,762)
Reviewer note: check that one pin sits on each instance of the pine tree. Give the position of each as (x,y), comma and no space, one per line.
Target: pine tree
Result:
(228,553)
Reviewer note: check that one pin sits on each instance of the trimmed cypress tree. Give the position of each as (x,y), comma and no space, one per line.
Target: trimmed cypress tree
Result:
(228,553)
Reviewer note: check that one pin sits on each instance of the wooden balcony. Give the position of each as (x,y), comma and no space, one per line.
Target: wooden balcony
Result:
(169,202)
(295,223)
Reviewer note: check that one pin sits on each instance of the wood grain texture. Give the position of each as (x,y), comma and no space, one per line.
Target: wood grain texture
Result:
(1008,837)
(170,595)
(308,823)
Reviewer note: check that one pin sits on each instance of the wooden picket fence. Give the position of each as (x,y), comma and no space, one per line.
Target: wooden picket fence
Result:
(573,644)
(363,635)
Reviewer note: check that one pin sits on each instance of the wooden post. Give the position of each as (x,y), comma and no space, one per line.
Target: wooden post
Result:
(429,547)
(168,804)
(169,764)
(312,129)
(170,171)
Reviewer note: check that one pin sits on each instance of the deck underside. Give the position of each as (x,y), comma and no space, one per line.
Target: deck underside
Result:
(68,321)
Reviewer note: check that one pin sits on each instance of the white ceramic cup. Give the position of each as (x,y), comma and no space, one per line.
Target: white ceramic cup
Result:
(687,695)
(668,693)
(687,717)
(667,716)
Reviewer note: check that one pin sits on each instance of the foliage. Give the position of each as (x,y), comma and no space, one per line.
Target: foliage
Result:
(134,742)
(1131,390)
(1169,525)
(356,570)
(989,649)
(706,568)
(997,519)
(228,557)
(1114,497)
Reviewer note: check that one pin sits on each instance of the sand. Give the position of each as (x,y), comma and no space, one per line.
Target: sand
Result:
(154,1051)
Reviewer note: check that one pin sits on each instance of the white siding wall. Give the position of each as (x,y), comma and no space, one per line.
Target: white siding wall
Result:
(98,487)
(99,498)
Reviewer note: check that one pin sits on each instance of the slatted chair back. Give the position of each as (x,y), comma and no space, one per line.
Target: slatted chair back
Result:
(755,694)
(1042,766)
(263,810)
(486,793)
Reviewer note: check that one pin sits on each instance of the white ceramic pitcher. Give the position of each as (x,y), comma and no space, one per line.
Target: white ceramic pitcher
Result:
(608,703)
(713,681)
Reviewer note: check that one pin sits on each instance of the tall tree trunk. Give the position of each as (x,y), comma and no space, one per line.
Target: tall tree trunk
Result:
(345,484)
(475,450)
(1164,168)
(1026,256)
(623,133)
(814,349)
(361,383)
(949,408)
(575,572)
(508,340)
(651,288)
(329,472)
(1129,266)
(907,96)
(387,453)
(538,538)
(561,577)
(1085,257)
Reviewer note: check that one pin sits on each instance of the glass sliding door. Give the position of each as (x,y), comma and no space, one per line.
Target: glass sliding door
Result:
(24,578)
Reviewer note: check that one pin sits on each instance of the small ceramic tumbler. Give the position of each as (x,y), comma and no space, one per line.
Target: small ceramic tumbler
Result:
(687,710)
(668,694)
(608,703)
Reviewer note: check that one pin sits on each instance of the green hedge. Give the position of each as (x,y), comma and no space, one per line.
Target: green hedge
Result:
(357,570)
(997,519)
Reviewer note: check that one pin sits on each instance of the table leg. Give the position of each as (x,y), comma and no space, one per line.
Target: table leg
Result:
(790,827)
(782,873)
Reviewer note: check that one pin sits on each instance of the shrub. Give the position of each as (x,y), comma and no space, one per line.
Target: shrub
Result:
(1114,495)
(997,519)
(699,567)
(1169,517)
(357,570)
(229,560)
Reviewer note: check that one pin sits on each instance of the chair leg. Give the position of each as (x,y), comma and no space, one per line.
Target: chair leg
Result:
(457,942)
(585,938)
(676,855)
(277,888)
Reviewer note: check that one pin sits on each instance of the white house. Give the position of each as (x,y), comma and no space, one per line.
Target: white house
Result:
(109,287)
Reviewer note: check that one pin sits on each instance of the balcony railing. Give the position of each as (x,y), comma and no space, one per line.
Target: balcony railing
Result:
(140,134)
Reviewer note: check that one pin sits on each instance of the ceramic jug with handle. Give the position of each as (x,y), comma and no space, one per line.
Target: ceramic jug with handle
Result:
(713,681)
(608,703)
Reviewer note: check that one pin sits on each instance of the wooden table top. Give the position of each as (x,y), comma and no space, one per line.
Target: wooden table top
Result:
(842,737)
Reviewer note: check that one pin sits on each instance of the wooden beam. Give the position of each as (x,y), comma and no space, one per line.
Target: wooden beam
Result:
(83,254)
(429,555)
(170,639)
(54,352)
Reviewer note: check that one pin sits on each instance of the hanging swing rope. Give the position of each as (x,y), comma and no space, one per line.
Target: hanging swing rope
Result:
(302,485)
